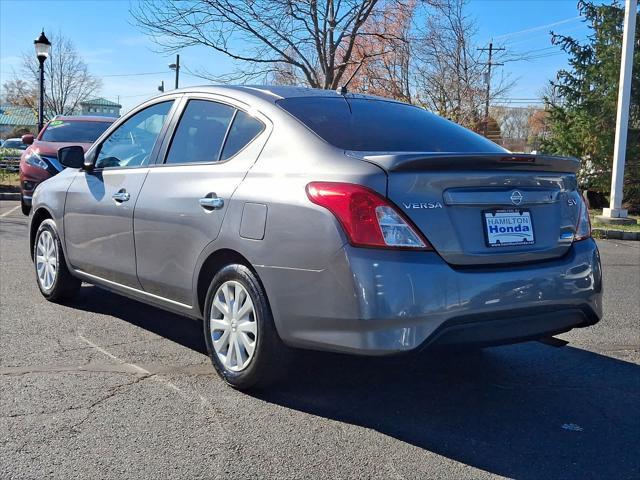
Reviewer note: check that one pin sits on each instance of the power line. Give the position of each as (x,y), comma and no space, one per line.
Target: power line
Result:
(195,75)
(523,99)
(538,28)
(203,76)
(535,38)
(534,57)
(133,74)
(507,103)
(536,53)
(536,50)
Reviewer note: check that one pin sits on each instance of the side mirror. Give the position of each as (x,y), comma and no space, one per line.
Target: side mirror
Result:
(72,157)
(27,139)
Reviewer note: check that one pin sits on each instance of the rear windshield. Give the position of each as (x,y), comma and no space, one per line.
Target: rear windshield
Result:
(380,126)
(73,131)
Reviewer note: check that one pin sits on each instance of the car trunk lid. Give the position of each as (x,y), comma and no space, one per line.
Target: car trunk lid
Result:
(483,209)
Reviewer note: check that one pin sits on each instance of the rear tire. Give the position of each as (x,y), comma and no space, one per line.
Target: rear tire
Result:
(26,209)
(239,331)
(52,275)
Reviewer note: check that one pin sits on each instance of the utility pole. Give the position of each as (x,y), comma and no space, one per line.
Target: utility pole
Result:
(615,213)
(490,63)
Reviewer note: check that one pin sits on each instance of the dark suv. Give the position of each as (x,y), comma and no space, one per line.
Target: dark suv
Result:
(39,161)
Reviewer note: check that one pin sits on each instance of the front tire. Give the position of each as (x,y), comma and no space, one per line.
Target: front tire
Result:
(52,275)
(240,334)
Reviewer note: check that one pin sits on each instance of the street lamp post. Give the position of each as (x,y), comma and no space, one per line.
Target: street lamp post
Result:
(176,67)
(43,48)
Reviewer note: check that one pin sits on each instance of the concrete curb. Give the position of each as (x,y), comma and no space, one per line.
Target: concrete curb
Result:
(615,234)
(9,196)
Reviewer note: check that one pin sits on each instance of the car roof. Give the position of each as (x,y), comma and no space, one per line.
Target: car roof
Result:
(271,93)
(13,139)
(84,118)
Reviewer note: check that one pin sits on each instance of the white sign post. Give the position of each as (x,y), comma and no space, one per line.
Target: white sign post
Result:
(615,210)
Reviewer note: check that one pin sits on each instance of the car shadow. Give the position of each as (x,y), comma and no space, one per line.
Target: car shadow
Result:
(177,328)
(527,411)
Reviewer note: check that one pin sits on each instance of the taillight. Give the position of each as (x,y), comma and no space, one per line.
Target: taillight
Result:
(583,228)
(368,219)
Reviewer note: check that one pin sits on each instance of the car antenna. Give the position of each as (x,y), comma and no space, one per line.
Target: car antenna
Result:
(343,89)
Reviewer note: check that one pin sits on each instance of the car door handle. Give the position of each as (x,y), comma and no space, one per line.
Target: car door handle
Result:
(121,196)
(211,202)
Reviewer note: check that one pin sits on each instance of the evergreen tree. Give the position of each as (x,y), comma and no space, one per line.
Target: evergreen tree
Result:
(582,117)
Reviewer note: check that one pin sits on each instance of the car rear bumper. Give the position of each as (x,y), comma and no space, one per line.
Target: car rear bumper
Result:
(515,326)
(380,302)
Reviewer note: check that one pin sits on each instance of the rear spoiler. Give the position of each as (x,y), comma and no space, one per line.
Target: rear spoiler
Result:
(415,161)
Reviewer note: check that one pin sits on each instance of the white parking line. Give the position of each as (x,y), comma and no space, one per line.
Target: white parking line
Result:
(9,212)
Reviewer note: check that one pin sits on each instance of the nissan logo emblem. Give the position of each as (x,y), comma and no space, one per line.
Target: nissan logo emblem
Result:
(516,197)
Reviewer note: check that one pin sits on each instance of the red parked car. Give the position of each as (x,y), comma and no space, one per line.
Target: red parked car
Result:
(40,160)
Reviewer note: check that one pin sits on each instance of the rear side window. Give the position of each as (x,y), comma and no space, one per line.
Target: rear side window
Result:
(244,129)
(381,126)
(200,133)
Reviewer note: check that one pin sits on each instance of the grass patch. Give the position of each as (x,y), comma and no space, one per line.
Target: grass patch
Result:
(9,179)
(625,228)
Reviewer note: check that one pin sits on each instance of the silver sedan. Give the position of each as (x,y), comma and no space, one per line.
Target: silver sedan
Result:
(292,218)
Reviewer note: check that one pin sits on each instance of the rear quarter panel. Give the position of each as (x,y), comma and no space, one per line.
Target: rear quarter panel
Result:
(300,237)
(298,233)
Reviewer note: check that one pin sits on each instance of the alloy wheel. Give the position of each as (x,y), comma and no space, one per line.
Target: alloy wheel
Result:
(46,260)
(233,326)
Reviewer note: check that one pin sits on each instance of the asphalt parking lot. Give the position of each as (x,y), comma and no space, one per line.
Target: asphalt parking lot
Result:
(105,387)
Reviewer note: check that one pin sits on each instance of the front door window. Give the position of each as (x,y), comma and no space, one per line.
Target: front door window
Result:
(131,144)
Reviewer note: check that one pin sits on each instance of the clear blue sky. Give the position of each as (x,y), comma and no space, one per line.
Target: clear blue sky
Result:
(104,34)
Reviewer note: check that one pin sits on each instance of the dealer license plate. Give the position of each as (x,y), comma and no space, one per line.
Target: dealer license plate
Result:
(508,228)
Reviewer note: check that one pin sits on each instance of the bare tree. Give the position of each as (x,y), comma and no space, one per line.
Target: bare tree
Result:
(382,56)
(514,121)
(449,69)
(298,41)
(67,78)
(516,125)
(550,96)
(19,93)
